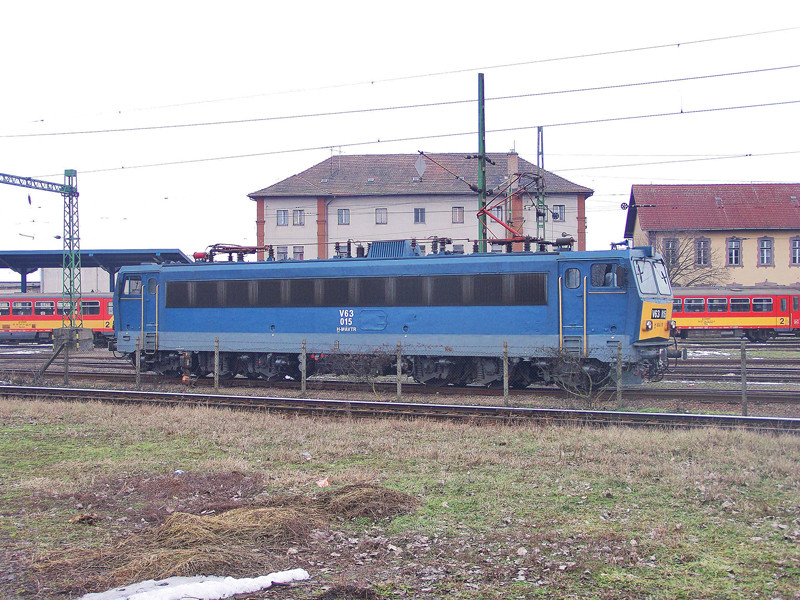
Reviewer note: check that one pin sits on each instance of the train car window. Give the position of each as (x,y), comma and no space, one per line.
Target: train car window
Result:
(90,307)
(237,293)
(408,291)
(572,278)
(44,308)
(205,294)
(372,292)
(487,290)
(110,308)
(152,286)
(795,302)
(268,292)
(22,308)
(132,287)
(446,290)
(740,304)
(762,304)
(301,292)
(5,309)
(63,308)
(717,305)
(177,294)
(529,289)
(677,305)
(335,292)
(694,304)
(784,304)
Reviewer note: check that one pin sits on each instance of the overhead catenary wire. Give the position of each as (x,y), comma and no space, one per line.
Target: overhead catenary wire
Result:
(357,111)
(537,61)
(455,134)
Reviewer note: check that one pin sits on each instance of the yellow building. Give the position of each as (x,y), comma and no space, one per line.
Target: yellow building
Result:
(728,234)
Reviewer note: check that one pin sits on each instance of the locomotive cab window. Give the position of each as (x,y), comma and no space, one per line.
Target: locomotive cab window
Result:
(572,278)
(133,286)
(608,275)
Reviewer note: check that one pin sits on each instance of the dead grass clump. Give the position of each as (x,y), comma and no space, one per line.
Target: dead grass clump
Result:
(276,525)
(366,500)
(208,560)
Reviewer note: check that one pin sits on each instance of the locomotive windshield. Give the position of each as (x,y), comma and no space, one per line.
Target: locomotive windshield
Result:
(651,277)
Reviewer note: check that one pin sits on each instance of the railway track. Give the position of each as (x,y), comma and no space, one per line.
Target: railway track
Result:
(399,410)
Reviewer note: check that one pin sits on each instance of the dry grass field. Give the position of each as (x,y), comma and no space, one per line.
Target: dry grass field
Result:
(93,496)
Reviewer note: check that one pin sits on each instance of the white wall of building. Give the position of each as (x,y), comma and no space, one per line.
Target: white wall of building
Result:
(93,279)
(400,220)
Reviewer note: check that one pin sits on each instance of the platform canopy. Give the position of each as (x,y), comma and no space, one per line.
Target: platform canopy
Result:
(25,262)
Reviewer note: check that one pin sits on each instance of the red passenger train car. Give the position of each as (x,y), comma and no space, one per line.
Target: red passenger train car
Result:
(758,313)
(32,317)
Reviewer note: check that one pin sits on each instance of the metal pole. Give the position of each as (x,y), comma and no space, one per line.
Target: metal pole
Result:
(744,379)
(138,362)
(216,363)
(399,372)
(619,374)
(481,166)
(505,372)
(68,342)
(303,367)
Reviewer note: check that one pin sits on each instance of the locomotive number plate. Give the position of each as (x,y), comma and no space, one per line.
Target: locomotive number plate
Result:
(659,313)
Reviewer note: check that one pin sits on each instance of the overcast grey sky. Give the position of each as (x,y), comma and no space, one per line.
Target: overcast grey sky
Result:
(139,98)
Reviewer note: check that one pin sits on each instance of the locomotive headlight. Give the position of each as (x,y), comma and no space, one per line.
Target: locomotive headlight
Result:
(648,325)
(673,324)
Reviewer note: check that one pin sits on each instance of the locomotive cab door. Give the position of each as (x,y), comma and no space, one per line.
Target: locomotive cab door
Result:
(138,312)
(572,308)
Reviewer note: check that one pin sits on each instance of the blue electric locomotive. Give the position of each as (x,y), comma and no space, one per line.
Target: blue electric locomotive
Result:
(561,314)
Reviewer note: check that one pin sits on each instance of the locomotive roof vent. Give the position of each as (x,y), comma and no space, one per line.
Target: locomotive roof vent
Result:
(392,249)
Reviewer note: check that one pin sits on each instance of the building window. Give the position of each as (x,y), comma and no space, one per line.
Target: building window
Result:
(498,212)
(298,217)
(283,217)
(344,216)
(283,252)
(765,257)
(419,215)
(381,216)
(794,245)
(734,256)
(671,252)
(702,252)
(559,212)
(458,214)
(297,252)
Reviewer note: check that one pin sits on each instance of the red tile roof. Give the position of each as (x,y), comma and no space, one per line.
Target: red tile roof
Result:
(715,207)
(394,174)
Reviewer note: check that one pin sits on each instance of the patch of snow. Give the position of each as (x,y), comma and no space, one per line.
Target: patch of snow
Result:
(197,588)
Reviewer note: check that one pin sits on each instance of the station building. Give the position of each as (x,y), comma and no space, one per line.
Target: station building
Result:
(746,234)
(373,197)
